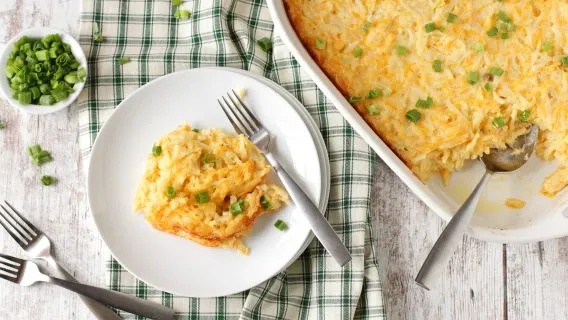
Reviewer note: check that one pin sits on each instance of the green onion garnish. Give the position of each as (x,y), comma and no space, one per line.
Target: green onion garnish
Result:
(171,192)
(2,125)
(374,93)
(492,32)
(265,44)
(413,115)
(505,35)
(565,61)
(38,155)
(357,52)
(209,158)
(496,71)
(498,122)
(354,99)
(202,197)
(156,150)
(425,104)
(365,27)
(280,225)
(503,16)
(373,110)
(124,60)
(238,207)
(430,27)
(182,14)
(452,18)
(195,130)
(177,3)
(479,47)
(437,65)
(547,46)
(47,180)
(98,37)
(472,77)
(321,43)
(265,202)
(488,86)
(524,115)
(402,50)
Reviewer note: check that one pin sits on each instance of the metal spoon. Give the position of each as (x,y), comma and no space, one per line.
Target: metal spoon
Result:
(497,161)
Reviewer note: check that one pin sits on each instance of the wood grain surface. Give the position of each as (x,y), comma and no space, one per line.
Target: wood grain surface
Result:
(482,281)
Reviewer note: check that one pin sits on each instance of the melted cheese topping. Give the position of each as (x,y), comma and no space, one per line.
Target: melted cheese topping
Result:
(228,168)
(359,45)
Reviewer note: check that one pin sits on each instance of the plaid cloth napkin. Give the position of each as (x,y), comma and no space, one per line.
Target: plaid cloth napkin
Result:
(225,33)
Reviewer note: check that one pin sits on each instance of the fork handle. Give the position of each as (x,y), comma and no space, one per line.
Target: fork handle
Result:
(99,310)
(118,300)
(320,226)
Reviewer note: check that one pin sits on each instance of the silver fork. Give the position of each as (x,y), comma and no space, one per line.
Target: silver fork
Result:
(37,246)
(27,273)
(246,123)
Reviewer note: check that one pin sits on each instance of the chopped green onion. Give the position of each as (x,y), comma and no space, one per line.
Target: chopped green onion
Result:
(547,46)
(238,207)
(182,14)
(46,100)
(503,16)
(472,77)
(71,78)
(425,104)
(402,50)
(124,60)
(437,65)
(280,225)
(195,130)
(47,180)
(209,158)
(488,86)
(498,122)
(38,155)
(374,93)
(373,110)
(479,47)
(430,27)
(265,44)
(413,115)
(98,37)
(357,52)
(496,71)
(171,192)
(492,32)
(177,3)
(2,125)
(505,35)
(156,150)
(202,197)
(321,43)
(565,61)
(265,202)
(365,27)
(524,115)
(354,99)
(452,18)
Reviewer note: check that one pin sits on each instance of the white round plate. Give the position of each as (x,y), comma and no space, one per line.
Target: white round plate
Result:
(171,263)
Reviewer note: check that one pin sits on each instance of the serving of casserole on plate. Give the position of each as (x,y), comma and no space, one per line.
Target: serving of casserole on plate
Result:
(441,83)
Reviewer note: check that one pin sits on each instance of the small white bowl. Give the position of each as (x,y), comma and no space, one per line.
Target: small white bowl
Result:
(35,33)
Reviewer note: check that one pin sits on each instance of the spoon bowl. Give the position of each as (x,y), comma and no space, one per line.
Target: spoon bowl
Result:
(515,155)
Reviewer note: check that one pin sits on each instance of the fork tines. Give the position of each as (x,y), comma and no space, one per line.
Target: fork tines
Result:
(17,226)
(10,267)
(243,122)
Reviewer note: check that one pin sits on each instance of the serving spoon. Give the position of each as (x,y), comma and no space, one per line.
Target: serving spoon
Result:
(496,161)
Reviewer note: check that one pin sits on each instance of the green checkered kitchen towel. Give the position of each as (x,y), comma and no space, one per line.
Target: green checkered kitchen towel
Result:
(224,33)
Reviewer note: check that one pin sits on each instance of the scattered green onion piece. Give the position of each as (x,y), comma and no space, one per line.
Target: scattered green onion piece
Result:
(505,35)
(365,27)
(492,32)
(177,3)
(47,180)
(452,18)
(42,55)
(124,60)
(430,27)
(413,115)
(280,225)
(182,14)
(265,44)
(472,77)
(195,130)
(156,150)
(479,47)
(98,37)
(171,192)
(354,99)
(547,46)
(238,207)
(373,110)
(488,86)
(2,125)
(425,104)
(375,93)
(321,43)
(524,115)
(565,61)
(498,122)
(496,71)
(437,65)
(402,50)
(503,16)
(202,197)
(38,155)
(209,158)
(71,78)
(265,203)
(357,52)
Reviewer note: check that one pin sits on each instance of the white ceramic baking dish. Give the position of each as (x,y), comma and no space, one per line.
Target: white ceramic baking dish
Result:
(541,218)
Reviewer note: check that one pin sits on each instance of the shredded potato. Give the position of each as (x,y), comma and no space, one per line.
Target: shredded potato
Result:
(227,168)
(387,45)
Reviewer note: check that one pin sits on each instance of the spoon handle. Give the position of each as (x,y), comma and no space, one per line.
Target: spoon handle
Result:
(450,238)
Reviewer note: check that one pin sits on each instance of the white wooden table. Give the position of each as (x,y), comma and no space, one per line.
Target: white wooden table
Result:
(483,281)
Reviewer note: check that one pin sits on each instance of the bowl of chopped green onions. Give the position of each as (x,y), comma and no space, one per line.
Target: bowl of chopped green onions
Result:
(44,70)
